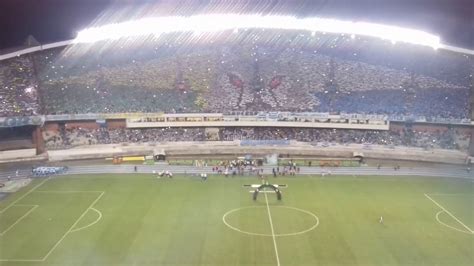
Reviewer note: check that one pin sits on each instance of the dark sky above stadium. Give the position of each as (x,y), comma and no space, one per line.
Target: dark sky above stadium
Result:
(57,20)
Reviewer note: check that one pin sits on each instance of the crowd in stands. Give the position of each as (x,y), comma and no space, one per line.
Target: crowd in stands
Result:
(18,88)
(449,139)
(430,103)
(358,76)
(66,138)
(232,90)
(134,86)
(247,76)
(292,76)
(256,79)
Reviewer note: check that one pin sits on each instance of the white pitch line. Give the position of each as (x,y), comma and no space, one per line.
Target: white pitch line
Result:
(20,260)
(24,195)
(449,226)
(269,235)
(450,214)
(453,194)
(273,231)
(19,219)
(70,229)
(68,191)
(91,224)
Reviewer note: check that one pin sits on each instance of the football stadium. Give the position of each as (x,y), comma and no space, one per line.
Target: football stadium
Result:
(191,134)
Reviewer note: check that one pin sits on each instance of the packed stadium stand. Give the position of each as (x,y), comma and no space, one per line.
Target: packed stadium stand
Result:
(18,87)
(247,75)
(440,139)
(251,77)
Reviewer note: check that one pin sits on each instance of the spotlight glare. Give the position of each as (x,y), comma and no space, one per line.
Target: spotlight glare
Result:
(233,22)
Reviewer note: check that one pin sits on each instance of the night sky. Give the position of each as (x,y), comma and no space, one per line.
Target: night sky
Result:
(57,20)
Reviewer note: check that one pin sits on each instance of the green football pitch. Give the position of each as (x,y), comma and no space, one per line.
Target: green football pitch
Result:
(142,220)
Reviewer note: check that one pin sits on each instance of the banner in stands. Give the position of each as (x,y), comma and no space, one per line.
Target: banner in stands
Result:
(18,121)
(74,117)
(47,171)
(318,116)
(268,142)
(363,116)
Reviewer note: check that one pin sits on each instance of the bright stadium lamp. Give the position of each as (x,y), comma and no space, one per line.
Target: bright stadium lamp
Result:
(221,22)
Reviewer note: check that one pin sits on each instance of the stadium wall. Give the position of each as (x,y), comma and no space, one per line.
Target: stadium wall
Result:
(84,124)
(429,127)
(23,155)
(393,126)
(116,123)
(39,141)
(6,145)
(50,127)
(472,100)
(471,144)
(345,125)
(233,148)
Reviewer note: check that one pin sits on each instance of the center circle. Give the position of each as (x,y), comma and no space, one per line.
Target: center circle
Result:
(313,217)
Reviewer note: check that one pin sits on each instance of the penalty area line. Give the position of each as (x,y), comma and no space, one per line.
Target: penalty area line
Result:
(72,227)
(24,195)
(19,219)
(449,213)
